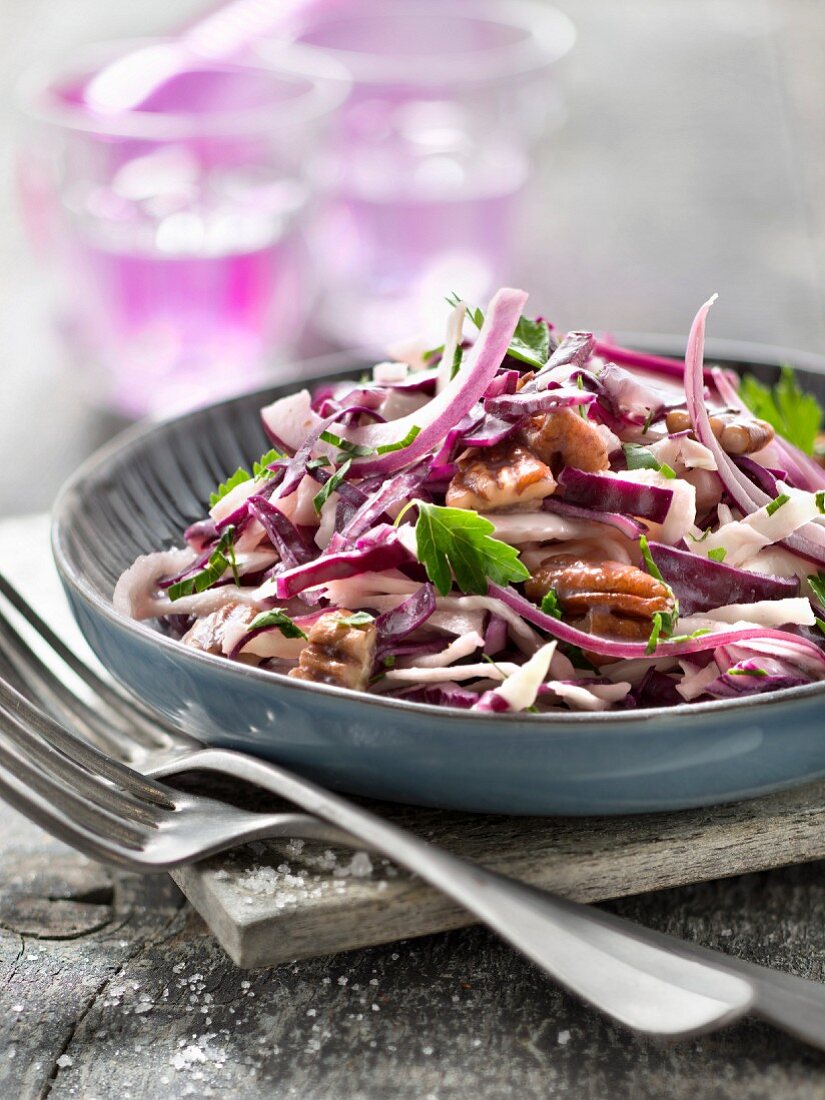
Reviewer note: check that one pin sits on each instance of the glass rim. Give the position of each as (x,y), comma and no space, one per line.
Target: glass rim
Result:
(329,85)
(550,35)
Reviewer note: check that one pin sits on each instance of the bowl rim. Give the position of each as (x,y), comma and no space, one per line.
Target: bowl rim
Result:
(339,363)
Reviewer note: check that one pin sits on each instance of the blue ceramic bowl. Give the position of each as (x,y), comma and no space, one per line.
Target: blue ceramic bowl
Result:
(140,492)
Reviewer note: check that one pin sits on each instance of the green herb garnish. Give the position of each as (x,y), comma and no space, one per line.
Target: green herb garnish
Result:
(531,340)
(221,559)
(640,458)
(719,554)
(401,444)
(663,624)
(260,469)
(817,583)
(475,315)
(775,505)
(260,472)
(278,619)
(357,450)
(650,564)
(653,640)
(225,487)
(704,535)
(759,673)
(663,621)
(795,415)
(359,619)
(456,542)
(550,604)
(678,638)
(458,355)
(329,486)
(353,450)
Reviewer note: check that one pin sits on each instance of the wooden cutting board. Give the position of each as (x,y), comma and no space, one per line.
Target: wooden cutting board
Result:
(270,902)
(276,901)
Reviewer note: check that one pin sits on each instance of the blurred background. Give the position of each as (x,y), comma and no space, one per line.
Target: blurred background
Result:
(173,231)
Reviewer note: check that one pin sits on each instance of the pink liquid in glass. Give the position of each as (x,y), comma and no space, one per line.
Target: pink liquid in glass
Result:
(400,247)
(176,230)
(180,297)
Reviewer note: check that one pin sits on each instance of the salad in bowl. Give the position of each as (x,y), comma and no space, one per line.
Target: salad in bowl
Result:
(518,520)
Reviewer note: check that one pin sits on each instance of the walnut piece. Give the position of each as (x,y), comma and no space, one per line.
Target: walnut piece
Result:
(504,476)
(563,438)
(337,653)
(738,434)
(608,598)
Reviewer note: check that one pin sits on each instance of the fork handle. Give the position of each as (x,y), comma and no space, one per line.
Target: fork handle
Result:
(606,961)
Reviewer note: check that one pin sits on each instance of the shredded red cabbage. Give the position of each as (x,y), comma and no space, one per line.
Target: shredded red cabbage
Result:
(613,494)
(701,584)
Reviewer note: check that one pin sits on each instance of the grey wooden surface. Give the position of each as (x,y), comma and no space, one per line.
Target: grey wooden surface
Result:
(125,995)
(694,160)
(274,901)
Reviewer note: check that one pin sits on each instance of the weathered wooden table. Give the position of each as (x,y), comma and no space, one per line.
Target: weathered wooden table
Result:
(113,988)
(694,161)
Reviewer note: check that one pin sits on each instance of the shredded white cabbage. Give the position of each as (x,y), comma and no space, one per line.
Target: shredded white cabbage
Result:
(795,610)
(521,687)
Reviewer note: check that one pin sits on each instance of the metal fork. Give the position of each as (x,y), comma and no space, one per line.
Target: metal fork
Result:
(80,793)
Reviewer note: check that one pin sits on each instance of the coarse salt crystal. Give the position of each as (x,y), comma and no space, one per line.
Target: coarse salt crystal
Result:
(563,1038)
(64,1061)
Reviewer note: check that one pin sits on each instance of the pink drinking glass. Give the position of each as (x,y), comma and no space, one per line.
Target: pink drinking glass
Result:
(175,232)
(433,162)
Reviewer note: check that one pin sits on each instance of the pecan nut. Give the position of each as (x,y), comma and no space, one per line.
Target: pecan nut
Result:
(738,434)
(563,438)
(505,476)
(608,598)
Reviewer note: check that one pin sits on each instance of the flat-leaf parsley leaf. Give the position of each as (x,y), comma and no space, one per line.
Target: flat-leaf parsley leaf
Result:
(531,340)
(795,415)
(456,542)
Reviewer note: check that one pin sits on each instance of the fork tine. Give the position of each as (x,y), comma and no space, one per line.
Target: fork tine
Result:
(24,608)
(144,729)
(12,674)
(67,800)
(55,767)
(31,677)
(44,812)
(35,728)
